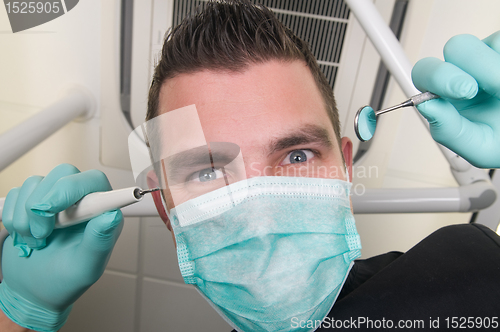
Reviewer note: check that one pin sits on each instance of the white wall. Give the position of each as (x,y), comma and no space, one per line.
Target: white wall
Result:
(142,289)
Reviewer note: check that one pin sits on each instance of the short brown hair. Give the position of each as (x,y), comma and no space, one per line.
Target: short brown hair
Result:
(228,36)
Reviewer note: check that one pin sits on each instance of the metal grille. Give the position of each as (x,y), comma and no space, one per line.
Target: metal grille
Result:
(182,8)
(321,23)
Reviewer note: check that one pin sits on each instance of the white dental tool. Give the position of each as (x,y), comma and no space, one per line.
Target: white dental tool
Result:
(95,204)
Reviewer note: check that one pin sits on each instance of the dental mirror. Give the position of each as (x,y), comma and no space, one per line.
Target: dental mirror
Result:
(365,121)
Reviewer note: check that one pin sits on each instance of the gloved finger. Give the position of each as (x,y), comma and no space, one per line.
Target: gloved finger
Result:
(482,109)
(477,59)
(41,225)
(8,222)
(99,238)
(464,137)
(443,79)
(493,41)
(445,122)
(20,223)
(70,189)
(456,132)
(8,209)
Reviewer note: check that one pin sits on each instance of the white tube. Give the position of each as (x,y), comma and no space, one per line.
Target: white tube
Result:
(385,42)
(411,200)
(22,138)
(466,198)
(491,216)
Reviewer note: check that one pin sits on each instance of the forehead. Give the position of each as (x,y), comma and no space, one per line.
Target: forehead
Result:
(252,106)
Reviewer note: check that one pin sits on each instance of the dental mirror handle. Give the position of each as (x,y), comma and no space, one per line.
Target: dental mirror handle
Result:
(95,204)
(413,101)
(420,98)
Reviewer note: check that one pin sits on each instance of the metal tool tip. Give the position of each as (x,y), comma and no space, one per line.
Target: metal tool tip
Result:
(148,191)
(138,193)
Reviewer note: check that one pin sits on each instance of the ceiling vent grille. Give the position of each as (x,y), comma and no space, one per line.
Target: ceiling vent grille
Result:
(321,23)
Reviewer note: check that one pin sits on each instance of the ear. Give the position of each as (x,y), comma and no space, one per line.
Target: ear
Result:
(347,152)
(154,183)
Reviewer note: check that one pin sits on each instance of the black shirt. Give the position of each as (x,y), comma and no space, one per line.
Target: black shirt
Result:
(451,275)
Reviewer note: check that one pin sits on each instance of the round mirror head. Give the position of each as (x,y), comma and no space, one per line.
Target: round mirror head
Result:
(365,123)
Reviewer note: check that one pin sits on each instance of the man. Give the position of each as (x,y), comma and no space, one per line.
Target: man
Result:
(267,254)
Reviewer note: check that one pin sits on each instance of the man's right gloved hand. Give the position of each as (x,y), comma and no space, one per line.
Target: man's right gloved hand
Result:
(466,118)
(40,285)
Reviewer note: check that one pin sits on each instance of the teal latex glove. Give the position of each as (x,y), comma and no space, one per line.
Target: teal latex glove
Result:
(40,286)
(467,117)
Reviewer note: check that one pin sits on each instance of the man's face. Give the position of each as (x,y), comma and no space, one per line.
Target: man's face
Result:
(273,111)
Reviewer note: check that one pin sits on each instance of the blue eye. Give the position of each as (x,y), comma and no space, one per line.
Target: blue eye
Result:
(298,156)
(206,175)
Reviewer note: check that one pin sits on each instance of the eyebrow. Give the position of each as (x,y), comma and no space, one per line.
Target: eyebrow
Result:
(304,135)
(220,154)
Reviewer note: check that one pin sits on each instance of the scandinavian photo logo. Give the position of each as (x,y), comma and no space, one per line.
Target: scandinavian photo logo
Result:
(25,15)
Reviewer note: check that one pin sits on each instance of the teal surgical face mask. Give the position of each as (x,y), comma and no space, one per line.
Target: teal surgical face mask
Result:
(268,251)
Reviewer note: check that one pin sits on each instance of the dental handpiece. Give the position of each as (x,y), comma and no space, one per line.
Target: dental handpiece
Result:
(95,204)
